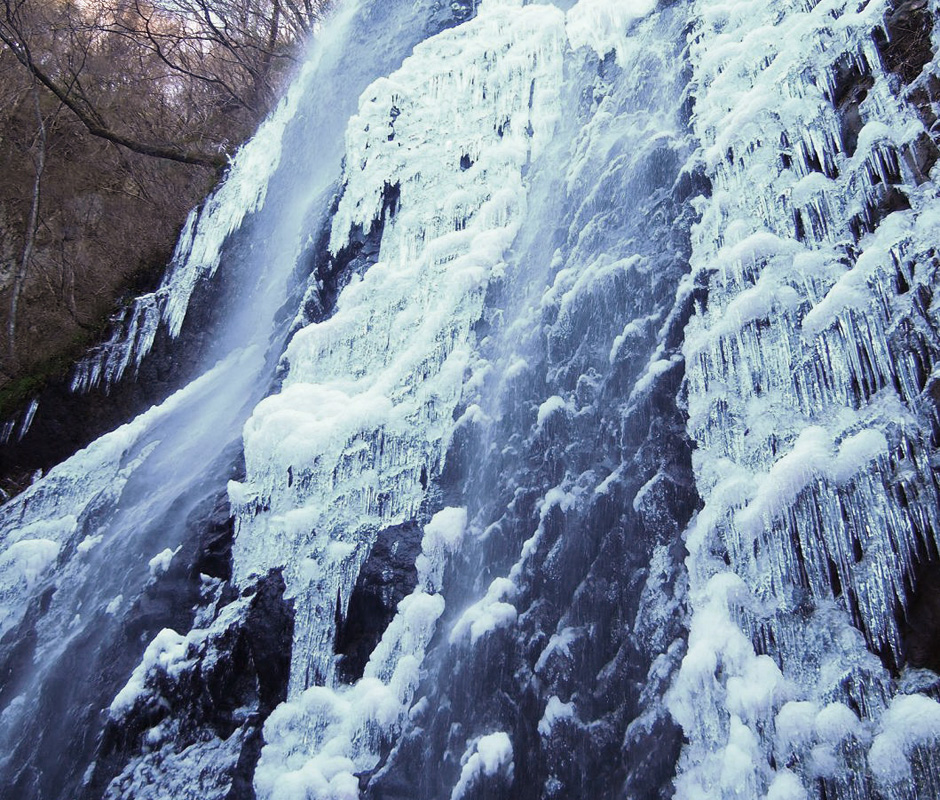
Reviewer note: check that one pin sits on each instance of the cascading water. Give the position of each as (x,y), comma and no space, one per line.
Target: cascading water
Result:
(82,546)
(598,457)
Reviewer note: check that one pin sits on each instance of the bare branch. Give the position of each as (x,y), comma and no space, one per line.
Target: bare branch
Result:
(90,119)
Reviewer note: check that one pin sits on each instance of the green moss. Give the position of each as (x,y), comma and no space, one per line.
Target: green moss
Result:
(20,391)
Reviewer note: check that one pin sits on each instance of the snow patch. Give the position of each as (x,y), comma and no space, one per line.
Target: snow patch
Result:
(604,25)
(488,614)
(489,755)
(165,653)
(555,710)
(910,721)
(160,563)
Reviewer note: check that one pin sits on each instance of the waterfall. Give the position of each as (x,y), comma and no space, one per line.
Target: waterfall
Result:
(567,426)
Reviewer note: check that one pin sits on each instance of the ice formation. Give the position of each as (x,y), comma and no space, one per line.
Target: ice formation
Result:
(366,409)
(198,252)
(600,453)
(808,375)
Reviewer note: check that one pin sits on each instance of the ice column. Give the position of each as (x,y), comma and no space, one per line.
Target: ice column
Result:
(359,427)
(808,374)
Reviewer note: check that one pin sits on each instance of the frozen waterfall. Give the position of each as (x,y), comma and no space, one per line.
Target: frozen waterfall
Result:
(567,426)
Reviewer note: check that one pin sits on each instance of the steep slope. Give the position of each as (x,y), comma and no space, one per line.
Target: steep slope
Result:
(585,375)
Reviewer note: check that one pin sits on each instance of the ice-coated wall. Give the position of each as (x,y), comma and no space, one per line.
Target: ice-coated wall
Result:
(358,430)
(568,429)
(809,380)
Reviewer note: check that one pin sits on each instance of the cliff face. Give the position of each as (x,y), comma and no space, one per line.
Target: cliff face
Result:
(116,120)
(810,399)
(563,423)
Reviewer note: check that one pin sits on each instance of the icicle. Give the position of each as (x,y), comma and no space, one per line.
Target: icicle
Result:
(798,414)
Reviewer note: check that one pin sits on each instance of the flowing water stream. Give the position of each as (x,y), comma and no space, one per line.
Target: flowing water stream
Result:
(571,431)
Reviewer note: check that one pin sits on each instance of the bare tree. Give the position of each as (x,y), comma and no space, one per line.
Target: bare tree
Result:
(69,87)
(29,236)
(115,118)
(234,51)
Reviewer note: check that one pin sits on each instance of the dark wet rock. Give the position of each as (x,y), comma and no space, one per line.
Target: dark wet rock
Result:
(907,47)
(18,646)
(448,13)
(852,80)
(881,201)
(586,635)
(386,578)
(233,678)
(905,51)
(920,628)
(96,665)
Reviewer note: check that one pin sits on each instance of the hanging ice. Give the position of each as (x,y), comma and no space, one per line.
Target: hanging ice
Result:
(807,397)
(366,408)
(603,447)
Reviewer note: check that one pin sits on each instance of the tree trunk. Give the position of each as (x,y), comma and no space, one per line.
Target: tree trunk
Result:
(32,223)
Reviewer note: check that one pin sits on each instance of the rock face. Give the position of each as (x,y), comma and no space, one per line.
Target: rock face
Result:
(237,644)
(93,667)
(209,710)
(579,486)
(387,577)
(66,420)
(598,461)
(154,350)
(808,374)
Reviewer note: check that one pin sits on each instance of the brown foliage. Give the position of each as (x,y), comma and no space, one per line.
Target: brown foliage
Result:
(115,118)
